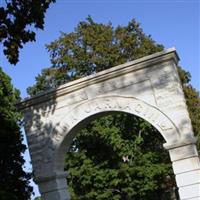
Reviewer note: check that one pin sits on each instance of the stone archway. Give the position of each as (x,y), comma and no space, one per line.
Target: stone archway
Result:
(148,88)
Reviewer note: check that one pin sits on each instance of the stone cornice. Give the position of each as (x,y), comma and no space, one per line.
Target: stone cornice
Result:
(128,67)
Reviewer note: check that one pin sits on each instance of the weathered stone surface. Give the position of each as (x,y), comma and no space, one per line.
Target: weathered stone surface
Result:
(148,87)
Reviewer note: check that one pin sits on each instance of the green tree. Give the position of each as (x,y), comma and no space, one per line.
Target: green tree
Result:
(118,156)
(17,19)
(91,48)
(14,182)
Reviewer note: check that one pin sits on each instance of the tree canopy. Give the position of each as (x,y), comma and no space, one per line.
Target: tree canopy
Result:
(17,20)
(14,181)
(118,156)
(91,48)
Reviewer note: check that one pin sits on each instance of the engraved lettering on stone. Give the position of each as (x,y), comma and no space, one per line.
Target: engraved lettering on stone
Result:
(153,116)
(72,117)
(108,103)
(164,125)
(146,111)
(88,108)
(120,104)
(97,106)
(132,106)
(138,108)
(127,106)
(161,124)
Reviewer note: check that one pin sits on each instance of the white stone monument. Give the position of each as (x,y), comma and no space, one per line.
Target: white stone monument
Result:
(148,87)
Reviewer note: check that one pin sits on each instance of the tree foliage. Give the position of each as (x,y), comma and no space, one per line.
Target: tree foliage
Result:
(14,182)
(118,156)
(91,48)
(17,20)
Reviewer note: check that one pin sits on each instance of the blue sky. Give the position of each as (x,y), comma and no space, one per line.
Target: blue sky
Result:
(169,22)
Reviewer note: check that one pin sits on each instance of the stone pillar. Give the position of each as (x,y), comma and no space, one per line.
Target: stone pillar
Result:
(53,187)
(186,166)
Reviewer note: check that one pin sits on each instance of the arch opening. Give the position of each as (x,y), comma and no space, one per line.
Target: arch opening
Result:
(84,112)
(123,144)
(127,109)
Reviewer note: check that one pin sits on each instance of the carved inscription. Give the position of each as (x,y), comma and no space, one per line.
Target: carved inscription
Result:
(129,105)
(106,104)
